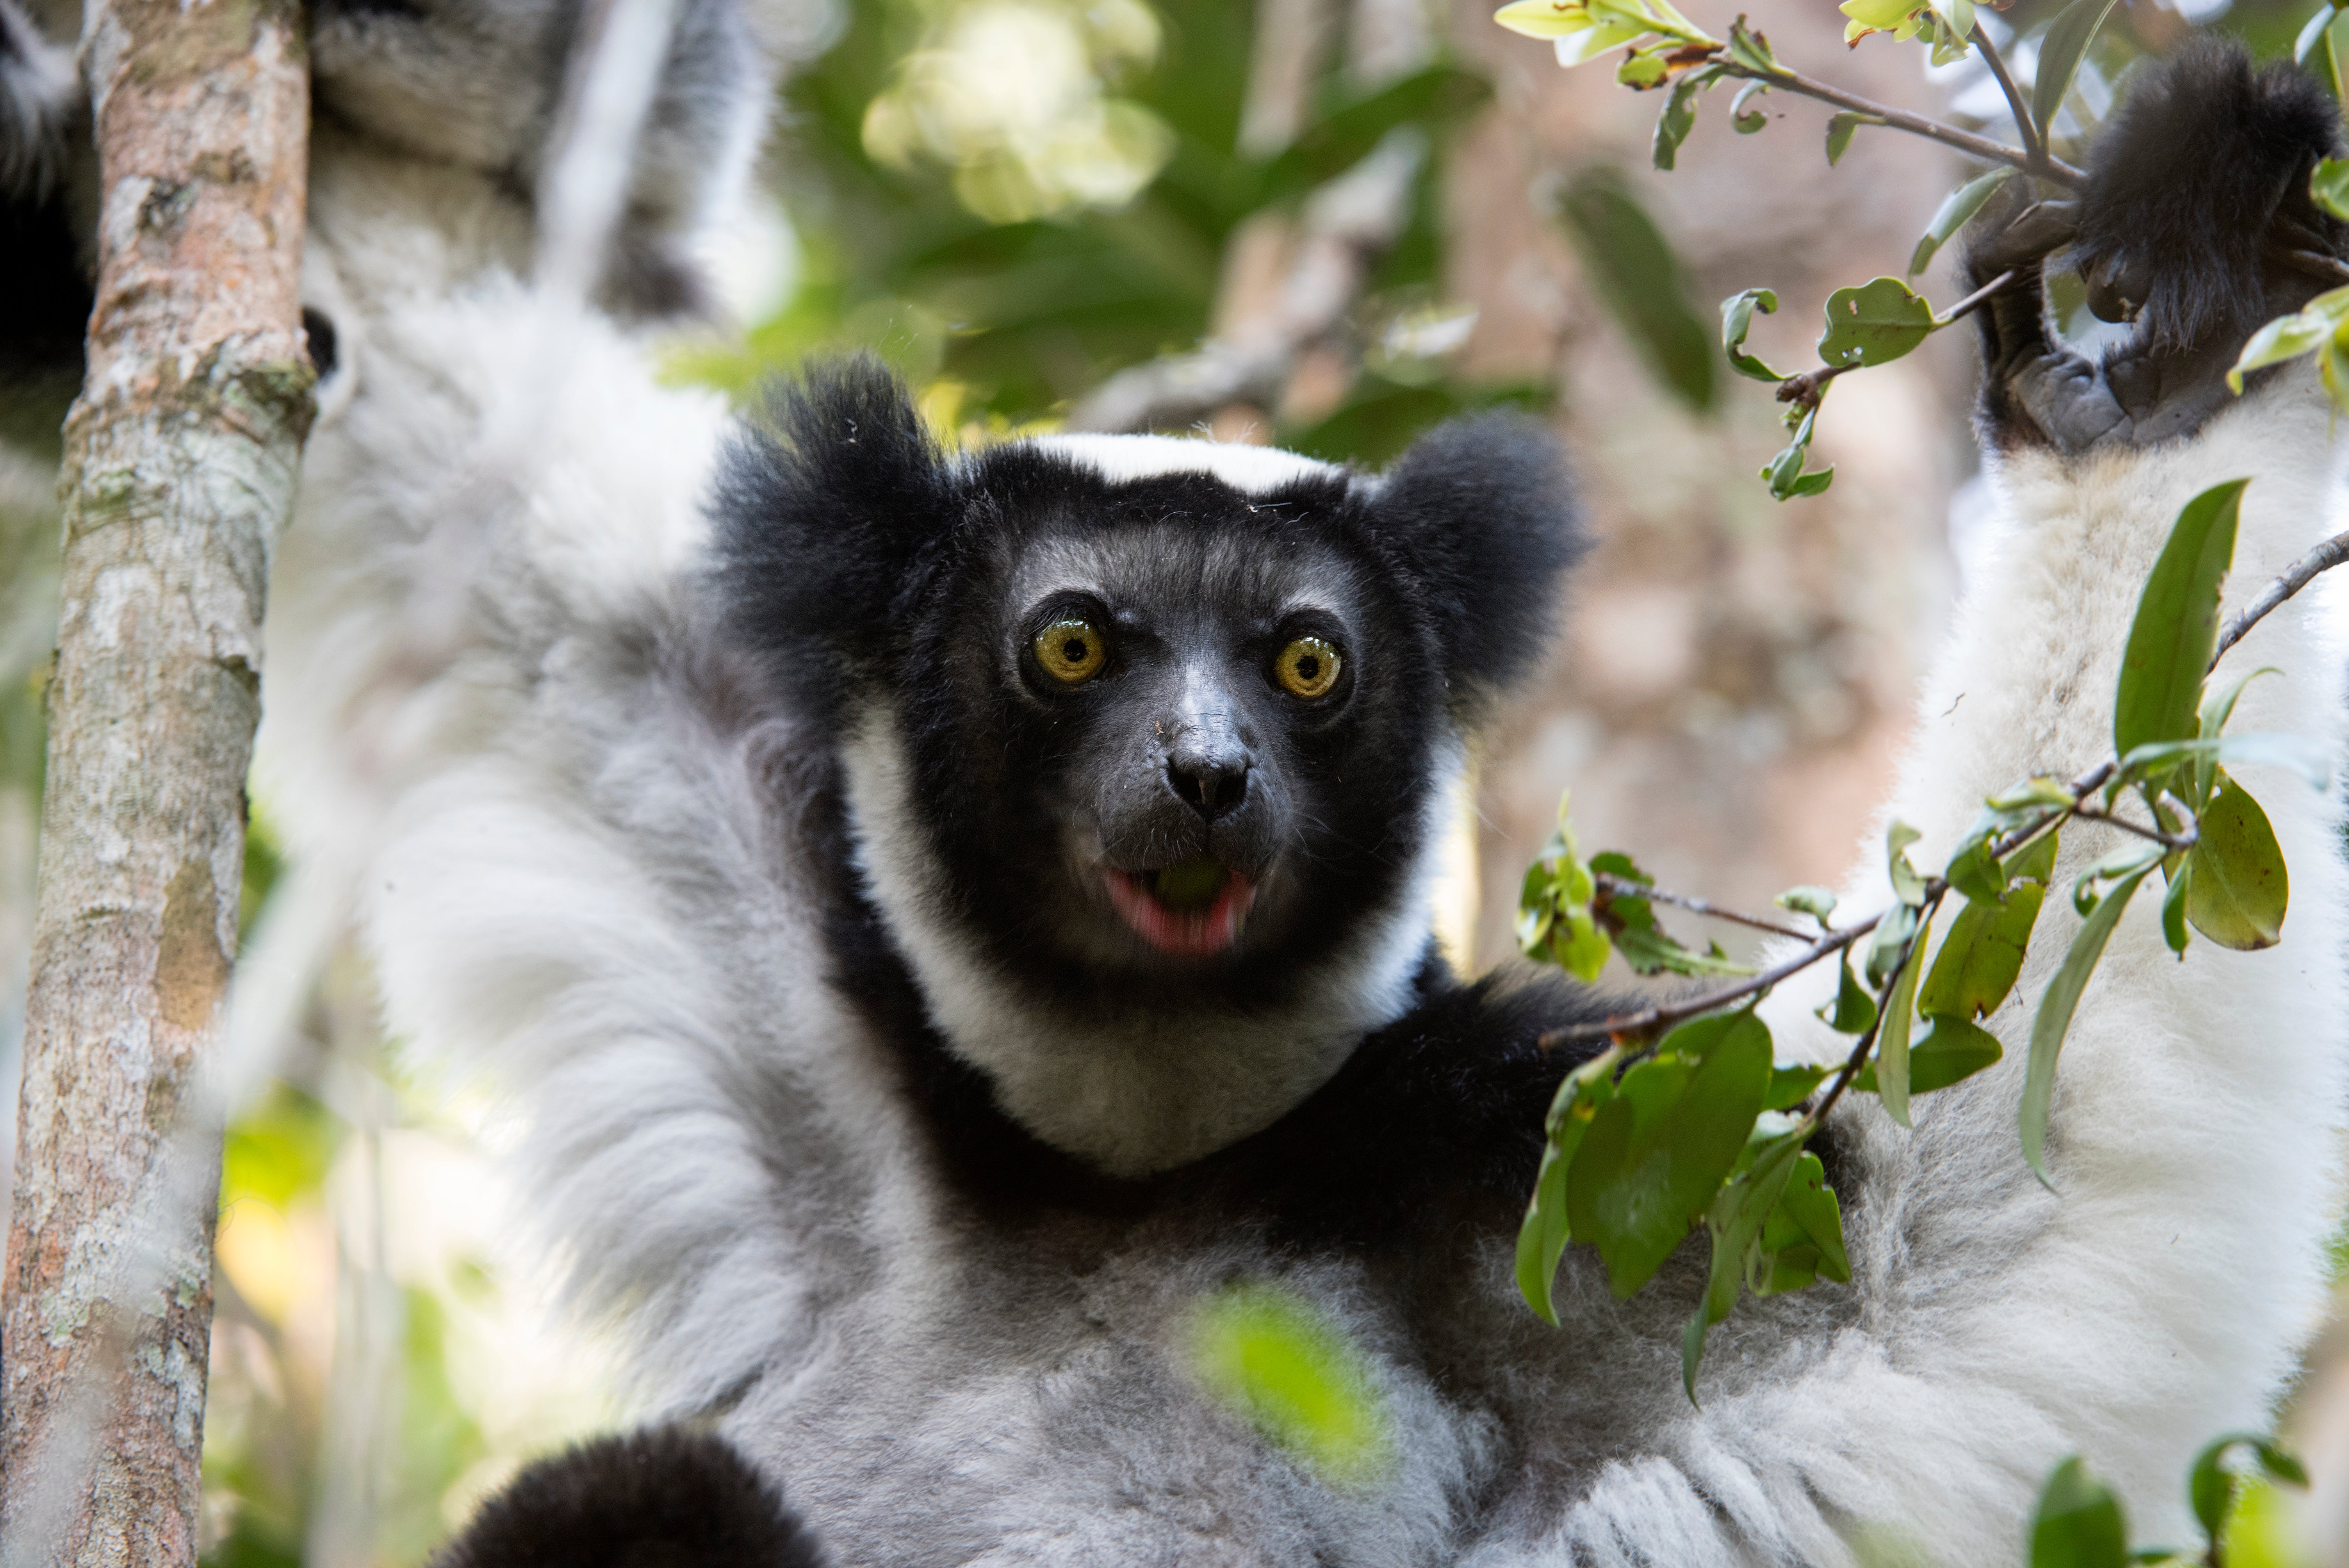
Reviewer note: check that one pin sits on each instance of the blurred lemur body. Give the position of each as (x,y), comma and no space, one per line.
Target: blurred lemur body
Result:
(946,916)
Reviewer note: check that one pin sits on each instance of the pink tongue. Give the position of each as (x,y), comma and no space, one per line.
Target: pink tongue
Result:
(1197,933)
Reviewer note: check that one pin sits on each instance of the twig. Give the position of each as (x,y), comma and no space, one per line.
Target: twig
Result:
(1614,886)
(1857,1060)
(2046,165)
(2167,841)
(2034,148)
(2333,552)
(1665,1014)
(1981,296)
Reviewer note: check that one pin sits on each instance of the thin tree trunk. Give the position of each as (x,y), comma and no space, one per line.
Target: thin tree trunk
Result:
(180,457)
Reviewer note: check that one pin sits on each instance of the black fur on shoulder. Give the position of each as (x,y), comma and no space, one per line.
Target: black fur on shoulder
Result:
(659,1499)
(1481,513)
(2187,180)
(825,509)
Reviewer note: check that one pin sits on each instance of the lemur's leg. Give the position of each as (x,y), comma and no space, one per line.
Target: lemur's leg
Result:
(2159,1300)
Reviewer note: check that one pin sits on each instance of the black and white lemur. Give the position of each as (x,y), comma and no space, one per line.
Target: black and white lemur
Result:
(945,914)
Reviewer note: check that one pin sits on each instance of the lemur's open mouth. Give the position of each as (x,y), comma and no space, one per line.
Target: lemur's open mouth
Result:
(1195,908)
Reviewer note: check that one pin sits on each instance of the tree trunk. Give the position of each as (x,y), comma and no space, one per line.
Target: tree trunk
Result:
(179,465)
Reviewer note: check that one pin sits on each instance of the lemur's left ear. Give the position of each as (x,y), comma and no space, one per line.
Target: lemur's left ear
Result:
(1482,512)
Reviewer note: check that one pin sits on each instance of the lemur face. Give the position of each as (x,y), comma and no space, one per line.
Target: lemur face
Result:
(1171,727)
(1163,723)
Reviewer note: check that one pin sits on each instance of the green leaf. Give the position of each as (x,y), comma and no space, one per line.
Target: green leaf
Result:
(2316,326)
(1790,1085)
(1679,117)
(1816,902)
(1875,323)
(2053,1019)
(1893,930)
(1902,18)
(2210,1485)
(1974,872)
(1812,1203)
(1979,961)
(2173,909)
(1892,1030)
(1906,883)
(1840,125)
(2216,712)
(1853,1010)
(1951,1050)
(1956,208)
(1749,47)
(1541,1239)
(2060,54)
(1736,320)
(2177,624)
(2043,790)
(2310,34)
(2236,887)
(2328,187)
(1639,278)
(1735,1217)
(1659,1151)
(2295,752)
(1297,1376)
(1748,121)
(2079,1523)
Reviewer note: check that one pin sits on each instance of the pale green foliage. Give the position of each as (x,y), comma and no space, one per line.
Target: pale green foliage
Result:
(1296,1376)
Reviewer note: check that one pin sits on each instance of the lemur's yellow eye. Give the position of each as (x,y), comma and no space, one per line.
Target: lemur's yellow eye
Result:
(1308,668)
(1071,651)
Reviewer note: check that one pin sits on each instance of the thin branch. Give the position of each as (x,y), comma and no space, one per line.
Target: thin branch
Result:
(2167,841)
(2333,552)
(1622,887)
(2035,149)
(1857,1060)
(1663,1015)
(1979,297)
(2045,166)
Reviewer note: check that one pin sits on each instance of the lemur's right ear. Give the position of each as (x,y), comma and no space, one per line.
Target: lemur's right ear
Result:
(827,510)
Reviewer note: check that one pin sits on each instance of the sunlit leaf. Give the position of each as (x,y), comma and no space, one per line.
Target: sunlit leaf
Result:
(2060,54)
(2042,790)
(2078,1524)
(2053,1019)
(2236,887)
(2177,624)
(1639,278)
(1297,1378)
(1902,18)
(2210,1485)
(1790,1085)
(1816,902)
(1979,959)
(2315,325)
(2328,187)
(1956,208)
(1875,323)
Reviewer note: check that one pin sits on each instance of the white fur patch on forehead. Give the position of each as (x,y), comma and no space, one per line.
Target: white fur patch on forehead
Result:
(1250,469)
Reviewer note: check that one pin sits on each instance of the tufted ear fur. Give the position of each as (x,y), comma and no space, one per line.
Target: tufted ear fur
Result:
(826,514)
(1481,512)
(659,1499)
(2186,180)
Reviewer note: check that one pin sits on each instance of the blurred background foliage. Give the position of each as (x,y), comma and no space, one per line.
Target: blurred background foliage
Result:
(1011,200)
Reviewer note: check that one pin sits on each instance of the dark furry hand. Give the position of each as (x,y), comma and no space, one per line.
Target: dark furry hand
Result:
(2195,188)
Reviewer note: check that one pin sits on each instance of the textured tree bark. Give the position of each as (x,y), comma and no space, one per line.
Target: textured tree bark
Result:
(180,460)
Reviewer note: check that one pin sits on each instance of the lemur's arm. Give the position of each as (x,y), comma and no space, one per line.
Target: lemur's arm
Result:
(1993,1326)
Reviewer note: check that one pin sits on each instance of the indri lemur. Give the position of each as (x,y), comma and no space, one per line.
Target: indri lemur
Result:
(945,914)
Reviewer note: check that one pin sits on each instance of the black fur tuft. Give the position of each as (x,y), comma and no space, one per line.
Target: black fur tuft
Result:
(823,514)
(2187,180)
(660,1499)
(40,98)
(1482,514)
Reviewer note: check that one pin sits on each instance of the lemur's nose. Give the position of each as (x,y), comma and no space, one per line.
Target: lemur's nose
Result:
(1212,783)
